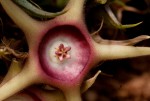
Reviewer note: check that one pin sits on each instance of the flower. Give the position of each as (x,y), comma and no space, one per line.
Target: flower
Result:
(62,52)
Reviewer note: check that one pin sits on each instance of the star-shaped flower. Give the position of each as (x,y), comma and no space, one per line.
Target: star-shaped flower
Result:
(62,52)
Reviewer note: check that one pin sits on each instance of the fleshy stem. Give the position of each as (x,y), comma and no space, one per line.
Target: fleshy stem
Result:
(73,95)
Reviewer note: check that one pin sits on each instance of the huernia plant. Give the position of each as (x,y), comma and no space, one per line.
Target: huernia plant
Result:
(61,52)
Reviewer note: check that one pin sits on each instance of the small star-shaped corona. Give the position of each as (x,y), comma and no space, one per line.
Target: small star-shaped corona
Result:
(62,52)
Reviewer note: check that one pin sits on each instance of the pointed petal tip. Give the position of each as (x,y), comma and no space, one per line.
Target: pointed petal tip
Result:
(88,83)
(111,52)
(124,26)
(147,37)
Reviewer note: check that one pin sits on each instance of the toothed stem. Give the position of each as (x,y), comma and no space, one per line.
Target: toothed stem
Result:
(110,52)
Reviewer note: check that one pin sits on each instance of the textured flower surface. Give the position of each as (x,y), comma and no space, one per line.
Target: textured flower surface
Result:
(62,52)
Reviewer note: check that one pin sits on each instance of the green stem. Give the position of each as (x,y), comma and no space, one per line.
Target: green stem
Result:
(114,21)
(35,11)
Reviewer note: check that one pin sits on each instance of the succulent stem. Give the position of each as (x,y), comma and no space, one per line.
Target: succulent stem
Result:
(16,84)
(21,97)
(110,52)
(75,9)
(14,69)
(115,22)
(132,41)
(73,95)
(23,20)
